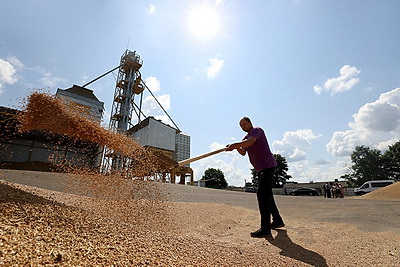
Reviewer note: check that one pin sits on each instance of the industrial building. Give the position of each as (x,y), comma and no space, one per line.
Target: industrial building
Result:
(31,150)
(148,132)
(163,138)
(83,100)
(40,151)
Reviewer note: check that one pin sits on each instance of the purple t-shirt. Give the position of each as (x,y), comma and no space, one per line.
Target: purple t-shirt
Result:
(259,153)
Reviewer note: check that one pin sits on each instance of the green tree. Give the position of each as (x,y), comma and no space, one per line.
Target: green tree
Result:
(368,164)
(280,174)
(391,161)
(214,178)
(351,181)
(254,177)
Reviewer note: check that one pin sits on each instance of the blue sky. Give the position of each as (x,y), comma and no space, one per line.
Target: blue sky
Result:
(320,77)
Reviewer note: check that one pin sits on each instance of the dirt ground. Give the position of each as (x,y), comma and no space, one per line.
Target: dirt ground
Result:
(41,224)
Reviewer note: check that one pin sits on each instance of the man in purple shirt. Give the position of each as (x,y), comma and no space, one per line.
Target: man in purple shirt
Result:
(255,144)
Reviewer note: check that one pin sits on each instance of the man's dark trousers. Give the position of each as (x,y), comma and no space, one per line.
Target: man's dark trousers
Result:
(266,202)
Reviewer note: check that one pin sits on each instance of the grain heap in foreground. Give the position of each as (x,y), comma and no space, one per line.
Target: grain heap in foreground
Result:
(42,227)
(40,231)
(121,222)
(130,195)
(126,194)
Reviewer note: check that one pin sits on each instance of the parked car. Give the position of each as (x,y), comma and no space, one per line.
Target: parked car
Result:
(304,192)
(251,189)
(371,186)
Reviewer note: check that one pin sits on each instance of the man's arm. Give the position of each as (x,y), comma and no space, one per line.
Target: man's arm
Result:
(239,146)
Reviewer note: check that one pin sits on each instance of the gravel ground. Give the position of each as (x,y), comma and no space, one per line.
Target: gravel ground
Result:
(45,226)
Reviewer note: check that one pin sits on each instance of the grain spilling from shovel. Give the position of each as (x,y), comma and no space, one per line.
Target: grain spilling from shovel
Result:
(126,194)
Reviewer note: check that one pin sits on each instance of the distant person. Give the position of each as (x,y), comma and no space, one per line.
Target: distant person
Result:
(255,144)
(326,189)
(319,191)
(332,189)
(341,190)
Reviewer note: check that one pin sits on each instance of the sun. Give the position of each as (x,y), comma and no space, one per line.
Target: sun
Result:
(203,22)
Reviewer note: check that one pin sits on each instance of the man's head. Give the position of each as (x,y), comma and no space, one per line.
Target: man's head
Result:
(245,124)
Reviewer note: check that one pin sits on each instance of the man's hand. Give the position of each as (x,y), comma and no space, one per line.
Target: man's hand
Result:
(240,146)
(230,147)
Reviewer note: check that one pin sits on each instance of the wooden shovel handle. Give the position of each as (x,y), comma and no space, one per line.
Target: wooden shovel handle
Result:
(187,161)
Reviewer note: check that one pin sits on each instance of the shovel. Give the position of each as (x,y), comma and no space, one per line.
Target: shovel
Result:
(187,161)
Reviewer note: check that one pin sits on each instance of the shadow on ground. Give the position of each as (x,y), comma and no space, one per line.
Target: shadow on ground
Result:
(14,195)
(294,251)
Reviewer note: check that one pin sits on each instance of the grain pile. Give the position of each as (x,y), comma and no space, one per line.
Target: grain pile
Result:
(47,113)
(124,193)
(38,231)
(110,221)
(42,227)
(390,192)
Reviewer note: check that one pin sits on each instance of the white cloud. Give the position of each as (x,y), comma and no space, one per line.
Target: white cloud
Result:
(376,125)
(9,68)
(48,80)
(368,89)
(17,64)
(215,67)
(152,9)
(151,106)
(304,172)
(153,84)
(7,73)
(294,144)
(227,162)
(219,2)
(297,155)
(84,78)
(215,146)
(346,80)
(381,115)
(321,162)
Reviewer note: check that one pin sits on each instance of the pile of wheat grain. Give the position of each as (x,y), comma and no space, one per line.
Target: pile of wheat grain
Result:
(122,222)
(127,194)
(390,192)
(50,114)
(37,231)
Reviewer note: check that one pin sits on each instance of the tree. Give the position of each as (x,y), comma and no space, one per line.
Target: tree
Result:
(280,174)
(368,164)
(214,178)
(391,161)
(351,181)
(254,177)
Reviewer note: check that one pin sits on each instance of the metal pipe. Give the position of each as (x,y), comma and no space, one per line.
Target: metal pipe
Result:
(101,76)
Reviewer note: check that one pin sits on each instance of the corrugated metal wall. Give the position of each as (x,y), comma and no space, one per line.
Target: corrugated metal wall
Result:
(21,150)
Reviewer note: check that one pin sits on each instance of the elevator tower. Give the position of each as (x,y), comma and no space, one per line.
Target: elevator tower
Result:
(128,84)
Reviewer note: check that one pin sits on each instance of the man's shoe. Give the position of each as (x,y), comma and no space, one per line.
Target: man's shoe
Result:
(275,225)
(260,233)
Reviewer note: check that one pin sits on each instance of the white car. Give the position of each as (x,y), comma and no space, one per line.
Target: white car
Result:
(371,186)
